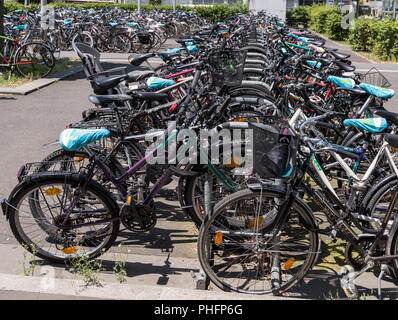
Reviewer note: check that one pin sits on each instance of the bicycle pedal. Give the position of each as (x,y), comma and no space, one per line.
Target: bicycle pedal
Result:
(349,288)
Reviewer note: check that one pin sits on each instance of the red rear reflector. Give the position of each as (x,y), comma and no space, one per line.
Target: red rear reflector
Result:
(173,107)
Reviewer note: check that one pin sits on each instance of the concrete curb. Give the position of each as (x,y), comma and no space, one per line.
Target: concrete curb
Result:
(41,83)
(114,291)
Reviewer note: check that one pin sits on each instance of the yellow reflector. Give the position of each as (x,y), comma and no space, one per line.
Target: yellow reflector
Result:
(234,162)
(218,238)
(69,250)
(77,159)
(289,264)
(128,199)
(243,119)
(253,223)
(53,191)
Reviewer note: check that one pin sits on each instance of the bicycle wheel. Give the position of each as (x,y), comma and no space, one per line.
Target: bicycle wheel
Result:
(379,200)
(34,59)
(83,37)
(91,229)
(240,251)
(121,43)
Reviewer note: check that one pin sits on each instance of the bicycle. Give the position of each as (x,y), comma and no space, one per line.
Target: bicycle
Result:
(32,59)
(265,239)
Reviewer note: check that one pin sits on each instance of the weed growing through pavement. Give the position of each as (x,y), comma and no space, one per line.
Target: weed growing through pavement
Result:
(29,264)
(119,268)
(87,268)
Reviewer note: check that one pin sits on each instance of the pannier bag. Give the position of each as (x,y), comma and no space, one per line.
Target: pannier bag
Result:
(274,151)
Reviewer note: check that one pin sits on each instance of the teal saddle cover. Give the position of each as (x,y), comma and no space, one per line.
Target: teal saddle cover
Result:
(379,92)
(74,139)
(314,64)
(174,50)
(342,82)
(159,83)
(373,125)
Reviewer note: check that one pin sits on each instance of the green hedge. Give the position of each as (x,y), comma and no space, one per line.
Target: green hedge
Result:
(371,35)
(215,13)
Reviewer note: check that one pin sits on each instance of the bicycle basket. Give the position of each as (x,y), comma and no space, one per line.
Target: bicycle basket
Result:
(274,151)
(374,77)
(227,67)
(144,37)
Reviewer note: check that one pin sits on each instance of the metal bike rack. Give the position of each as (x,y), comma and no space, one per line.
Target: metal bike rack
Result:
(202,281)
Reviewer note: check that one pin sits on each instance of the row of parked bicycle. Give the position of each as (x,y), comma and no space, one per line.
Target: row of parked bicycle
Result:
(107,30)
(314,137)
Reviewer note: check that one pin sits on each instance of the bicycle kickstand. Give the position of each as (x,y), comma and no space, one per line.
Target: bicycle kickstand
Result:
(383,268)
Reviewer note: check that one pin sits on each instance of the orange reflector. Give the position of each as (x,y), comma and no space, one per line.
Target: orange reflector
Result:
(289,264)
(234,162)
(387,196)
(77,159)
(240,119)
(394,149)
(53,191)
(253,223)
(218,238)
(128,199)
(69,250)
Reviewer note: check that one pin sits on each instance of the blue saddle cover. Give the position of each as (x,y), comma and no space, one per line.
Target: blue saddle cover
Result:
(377,91)
(159,83)
(373,125)
(314,64)
(192,48)
(174,50)
(342,82)
(21,27)
(74,139)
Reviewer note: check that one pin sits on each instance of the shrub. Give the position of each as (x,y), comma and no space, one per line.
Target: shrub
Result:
(299,16)
(385,44)
(319,15)
(362,36)
(333,27)
(11,6)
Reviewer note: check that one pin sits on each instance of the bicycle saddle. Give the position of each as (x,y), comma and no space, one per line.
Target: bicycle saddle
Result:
(390,116)
(342,82)
(182,41)
(74,139)
(354,91)
(104,100)
(149,95)
(340,55)
(137,60)
(379,92)
(168,55)
(138,75)
(392,139)
(373,125)
(329,49)
(108,82)
(344,66)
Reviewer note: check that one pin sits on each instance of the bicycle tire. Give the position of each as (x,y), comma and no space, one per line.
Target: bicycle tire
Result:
(244,254)
(69,182)
(40,55)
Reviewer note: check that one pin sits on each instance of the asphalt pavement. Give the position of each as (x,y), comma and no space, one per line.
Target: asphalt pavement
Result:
(161,264)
